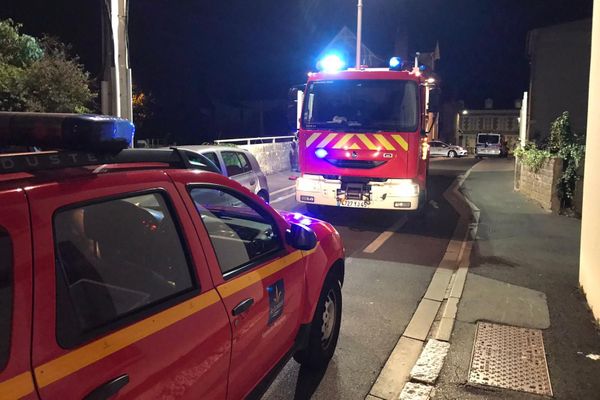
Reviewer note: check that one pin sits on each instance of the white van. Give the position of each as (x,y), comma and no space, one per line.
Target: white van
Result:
(489,145)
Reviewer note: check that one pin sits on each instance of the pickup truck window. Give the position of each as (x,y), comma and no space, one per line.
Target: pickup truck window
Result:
(114,259)
(239,233)
(6,267)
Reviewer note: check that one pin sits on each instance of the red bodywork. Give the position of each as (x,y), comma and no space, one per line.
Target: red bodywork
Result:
(400,153)
(189,349)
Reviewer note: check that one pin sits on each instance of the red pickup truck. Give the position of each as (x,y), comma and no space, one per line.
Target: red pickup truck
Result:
(139,273)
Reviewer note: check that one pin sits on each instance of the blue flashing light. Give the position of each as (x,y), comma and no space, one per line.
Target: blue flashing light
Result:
(321,153)
(396,63)
(422,67)
(331,63)
(91,133)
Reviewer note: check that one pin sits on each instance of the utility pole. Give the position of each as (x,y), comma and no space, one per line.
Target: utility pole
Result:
(116,91)
(359,33)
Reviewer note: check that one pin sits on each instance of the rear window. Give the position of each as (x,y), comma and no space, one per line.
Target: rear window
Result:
(6,266)
(489,139)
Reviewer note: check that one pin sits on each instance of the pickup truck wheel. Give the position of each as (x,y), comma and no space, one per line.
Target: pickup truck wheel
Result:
(325,327)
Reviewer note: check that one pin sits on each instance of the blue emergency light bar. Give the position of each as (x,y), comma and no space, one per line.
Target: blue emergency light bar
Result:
(76,132)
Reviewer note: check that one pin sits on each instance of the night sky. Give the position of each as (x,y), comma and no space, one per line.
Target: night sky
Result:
(190,54)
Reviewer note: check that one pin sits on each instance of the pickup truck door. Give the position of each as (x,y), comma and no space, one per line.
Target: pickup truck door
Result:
(124,302)
(260,278)
(16,381)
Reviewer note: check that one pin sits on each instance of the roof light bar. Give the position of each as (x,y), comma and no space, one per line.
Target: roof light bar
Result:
(79,132)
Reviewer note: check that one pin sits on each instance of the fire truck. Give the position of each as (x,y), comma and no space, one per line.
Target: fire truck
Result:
(362,136)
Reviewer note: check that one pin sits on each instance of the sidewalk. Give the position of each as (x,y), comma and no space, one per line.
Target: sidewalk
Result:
(524,273)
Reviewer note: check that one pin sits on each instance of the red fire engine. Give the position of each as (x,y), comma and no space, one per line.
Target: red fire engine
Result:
(363,137)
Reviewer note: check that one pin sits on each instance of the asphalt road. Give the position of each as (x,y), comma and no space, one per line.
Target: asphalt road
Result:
(382,289)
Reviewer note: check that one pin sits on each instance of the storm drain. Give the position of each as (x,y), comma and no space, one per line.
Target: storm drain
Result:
(510,357)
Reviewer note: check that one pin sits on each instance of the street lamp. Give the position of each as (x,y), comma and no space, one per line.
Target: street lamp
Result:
(465,112)
(358,33)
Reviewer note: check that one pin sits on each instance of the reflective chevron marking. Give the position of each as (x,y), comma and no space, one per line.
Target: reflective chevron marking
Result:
(384,142)
(312,138)
(327,139)
(401,141)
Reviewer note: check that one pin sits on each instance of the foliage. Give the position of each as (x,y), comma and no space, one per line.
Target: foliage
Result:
(39,74)
(560,133)
(563,144)
(17,49)
(533,157)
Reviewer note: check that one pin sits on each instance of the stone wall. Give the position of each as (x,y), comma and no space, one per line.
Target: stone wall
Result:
(540,186)
(272,157)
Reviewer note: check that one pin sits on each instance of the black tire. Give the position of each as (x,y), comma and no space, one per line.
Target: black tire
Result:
(263,194)
(323,336)
(452,154)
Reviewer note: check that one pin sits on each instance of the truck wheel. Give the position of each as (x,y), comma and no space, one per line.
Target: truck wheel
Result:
(325,327)
(451,154)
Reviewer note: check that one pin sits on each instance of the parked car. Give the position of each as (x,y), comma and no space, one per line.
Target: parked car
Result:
(138,273)
(490,145)
(439,148)
(238,164)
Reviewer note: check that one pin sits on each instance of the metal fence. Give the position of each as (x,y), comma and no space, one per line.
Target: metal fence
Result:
(257,140)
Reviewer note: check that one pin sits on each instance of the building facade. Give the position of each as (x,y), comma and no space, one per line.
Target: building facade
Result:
(472,122)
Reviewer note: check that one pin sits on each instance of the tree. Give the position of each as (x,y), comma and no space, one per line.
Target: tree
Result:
(39,74)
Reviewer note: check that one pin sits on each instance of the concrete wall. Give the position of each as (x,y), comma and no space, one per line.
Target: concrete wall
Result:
(589,268)
(272,157)
(559,58)
(540,186)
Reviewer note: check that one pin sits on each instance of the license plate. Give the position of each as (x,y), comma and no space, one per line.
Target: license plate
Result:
(354,203)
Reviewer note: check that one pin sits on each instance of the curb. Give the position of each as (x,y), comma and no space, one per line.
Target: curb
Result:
(414,350)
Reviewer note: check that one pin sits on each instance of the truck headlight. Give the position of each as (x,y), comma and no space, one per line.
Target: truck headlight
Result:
(404,189)
(307,185)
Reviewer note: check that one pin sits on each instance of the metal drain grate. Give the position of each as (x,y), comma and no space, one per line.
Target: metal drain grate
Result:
(510,357)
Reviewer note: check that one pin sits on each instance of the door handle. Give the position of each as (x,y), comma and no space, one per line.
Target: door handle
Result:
(108,389)
(242,307)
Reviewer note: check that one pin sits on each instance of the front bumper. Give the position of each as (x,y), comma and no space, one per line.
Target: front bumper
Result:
(393,194)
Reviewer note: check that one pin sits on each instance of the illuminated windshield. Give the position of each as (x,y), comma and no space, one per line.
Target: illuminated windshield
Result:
(361,105)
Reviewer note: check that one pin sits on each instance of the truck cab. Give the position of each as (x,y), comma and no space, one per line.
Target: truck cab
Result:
(362,139)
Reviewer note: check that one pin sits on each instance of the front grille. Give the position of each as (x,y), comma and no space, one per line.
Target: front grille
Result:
(358,164)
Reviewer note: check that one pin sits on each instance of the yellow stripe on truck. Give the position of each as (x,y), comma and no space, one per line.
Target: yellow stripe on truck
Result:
(327,139)
(312,138)
(384,142)
(400,140)
(16,387)
(370,145)
(343,141)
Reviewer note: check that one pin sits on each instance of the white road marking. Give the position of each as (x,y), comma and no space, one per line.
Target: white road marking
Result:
(282,190)
(287,196)
(380,240)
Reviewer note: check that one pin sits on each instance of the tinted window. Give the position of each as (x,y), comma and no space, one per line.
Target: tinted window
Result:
(6,261)
(233,164)
(489,139)
(113,259)
(240,233)
(244,162)
(213,157)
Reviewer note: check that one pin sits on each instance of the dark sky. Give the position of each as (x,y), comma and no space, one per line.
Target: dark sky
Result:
(190,53)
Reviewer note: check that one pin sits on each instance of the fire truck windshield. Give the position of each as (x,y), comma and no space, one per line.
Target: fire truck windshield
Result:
(361,105)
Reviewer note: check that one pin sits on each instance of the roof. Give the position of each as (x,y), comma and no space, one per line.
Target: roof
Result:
(368,73)
(210,147)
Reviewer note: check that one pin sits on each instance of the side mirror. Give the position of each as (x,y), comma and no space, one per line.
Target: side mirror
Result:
(434,100)
(301,237)
(292,107)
